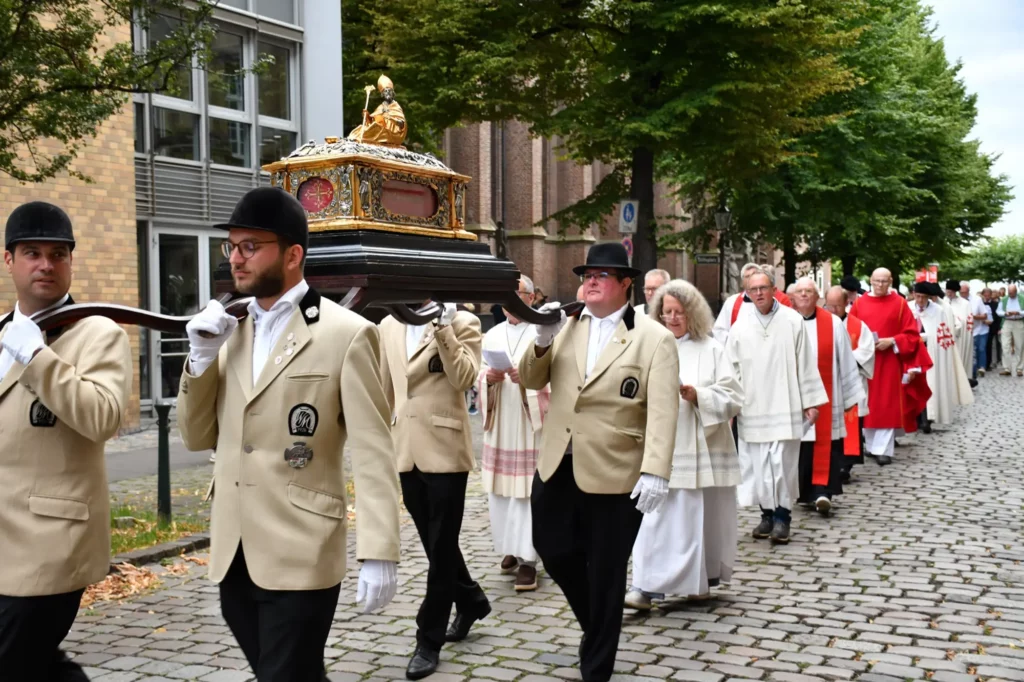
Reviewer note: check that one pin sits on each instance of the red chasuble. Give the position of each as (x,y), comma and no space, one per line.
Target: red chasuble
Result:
(823,427)
(851,444)
(889,317)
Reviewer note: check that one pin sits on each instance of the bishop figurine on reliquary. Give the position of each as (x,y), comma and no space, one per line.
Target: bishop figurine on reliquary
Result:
(386,125)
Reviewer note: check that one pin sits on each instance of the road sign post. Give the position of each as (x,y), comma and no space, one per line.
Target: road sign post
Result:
(628,209)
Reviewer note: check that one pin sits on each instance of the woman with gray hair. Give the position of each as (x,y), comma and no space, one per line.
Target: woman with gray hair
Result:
(689,544)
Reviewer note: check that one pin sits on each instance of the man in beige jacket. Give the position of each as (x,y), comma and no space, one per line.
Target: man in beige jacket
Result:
(608,438)
(62,396)
(427,370)
(278,395)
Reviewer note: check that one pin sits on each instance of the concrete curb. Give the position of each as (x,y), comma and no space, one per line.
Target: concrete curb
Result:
(151,555)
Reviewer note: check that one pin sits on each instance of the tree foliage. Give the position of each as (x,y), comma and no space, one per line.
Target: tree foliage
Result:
(60,79)
(893,180)
(997,260)
(725,86)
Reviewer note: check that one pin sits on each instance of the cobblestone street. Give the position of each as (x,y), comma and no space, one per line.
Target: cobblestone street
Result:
(917,576)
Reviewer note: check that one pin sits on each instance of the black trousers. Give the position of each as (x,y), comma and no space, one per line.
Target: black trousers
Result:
(281,632)
(436,503)
(31,630)
(810,492)
(584,540)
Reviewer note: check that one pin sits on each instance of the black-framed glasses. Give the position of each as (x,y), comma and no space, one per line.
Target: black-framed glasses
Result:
(599,276)
(246,247)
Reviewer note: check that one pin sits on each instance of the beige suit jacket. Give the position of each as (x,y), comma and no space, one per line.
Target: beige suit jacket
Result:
(56,413)
(320,386)
(622,418)
(428,393)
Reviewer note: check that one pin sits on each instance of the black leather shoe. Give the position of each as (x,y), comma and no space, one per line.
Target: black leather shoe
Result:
(764,529)
(583,638)
(884,460)
(423,663)
(780,531)
(459,628)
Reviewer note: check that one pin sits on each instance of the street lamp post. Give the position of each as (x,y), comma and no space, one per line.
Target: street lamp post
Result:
(723,219)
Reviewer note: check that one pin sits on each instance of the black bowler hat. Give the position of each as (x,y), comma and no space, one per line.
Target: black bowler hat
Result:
(924,288)
(38,221)
(273,210)
(936,290)
(608,255)
(851,283)
(953,285)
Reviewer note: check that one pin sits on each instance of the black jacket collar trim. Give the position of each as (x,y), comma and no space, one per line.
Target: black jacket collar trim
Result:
(629,317)
(310,306)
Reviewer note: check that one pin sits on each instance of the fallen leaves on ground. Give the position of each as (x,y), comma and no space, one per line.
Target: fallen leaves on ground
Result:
(126,581)
(177,569)
(198,561)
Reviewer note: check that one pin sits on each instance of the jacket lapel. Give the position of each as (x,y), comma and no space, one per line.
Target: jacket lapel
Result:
(425,339)
(616,346)
(239,353)
(580,338)
(292,340)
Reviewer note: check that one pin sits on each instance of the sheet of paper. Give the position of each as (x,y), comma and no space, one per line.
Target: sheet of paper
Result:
(497,359)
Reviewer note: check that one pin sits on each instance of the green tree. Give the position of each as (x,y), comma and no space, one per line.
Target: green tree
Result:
(893,179)
(632,84)
(997,260)
(60,80)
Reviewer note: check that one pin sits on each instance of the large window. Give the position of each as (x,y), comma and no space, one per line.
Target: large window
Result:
(227,115)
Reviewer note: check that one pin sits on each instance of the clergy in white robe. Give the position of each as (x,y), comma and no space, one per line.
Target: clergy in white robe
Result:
(512,417)
(942,377)
(688,545)
(963,334)
(732,306)
(781,387)
(862,343)
(821,448)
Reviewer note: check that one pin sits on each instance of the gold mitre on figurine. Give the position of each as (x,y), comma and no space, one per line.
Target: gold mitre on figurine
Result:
(384,82)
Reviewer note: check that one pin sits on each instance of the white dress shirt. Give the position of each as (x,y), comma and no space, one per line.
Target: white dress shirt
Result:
(268,324)
(413,334)
(6,359)
(601,330)
(1012,306)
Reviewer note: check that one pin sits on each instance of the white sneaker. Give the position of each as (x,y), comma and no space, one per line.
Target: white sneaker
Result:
(823,505)
(635,599)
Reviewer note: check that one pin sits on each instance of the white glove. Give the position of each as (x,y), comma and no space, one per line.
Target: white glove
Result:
(546,333)
(23,339)
(448,315)
(378,583)
(215,322)
(652,491)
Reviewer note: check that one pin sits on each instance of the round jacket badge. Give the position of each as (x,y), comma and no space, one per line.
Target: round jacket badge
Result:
(298,455)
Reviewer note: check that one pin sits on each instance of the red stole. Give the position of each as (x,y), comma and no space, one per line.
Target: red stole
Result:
(781,297)
(736,309)
(851,444)
(823,427)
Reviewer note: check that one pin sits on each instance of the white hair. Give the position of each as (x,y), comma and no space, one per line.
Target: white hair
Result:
(663,274)
(806,280)
(527,282)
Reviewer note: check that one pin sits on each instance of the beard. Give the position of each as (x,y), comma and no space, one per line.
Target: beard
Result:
(265,284)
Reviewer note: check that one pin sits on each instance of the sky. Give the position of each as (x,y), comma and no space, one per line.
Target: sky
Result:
(988,37)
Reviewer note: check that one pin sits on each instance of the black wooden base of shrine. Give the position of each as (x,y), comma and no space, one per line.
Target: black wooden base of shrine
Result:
(376,273)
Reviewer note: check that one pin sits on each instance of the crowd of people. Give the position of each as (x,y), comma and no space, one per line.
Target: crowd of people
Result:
(620,433)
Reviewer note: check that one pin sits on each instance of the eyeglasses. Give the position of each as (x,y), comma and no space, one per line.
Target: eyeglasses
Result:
(599,276)
(758,290)
(650,290)
(247,247)
(880,282)
(673,315)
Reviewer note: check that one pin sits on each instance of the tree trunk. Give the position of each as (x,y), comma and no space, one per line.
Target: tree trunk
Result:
(849,263)
(789,255)
(645,247)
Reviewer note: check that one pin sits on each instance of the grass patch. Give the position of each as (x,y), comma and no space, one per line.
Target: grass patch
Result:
(146,533)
